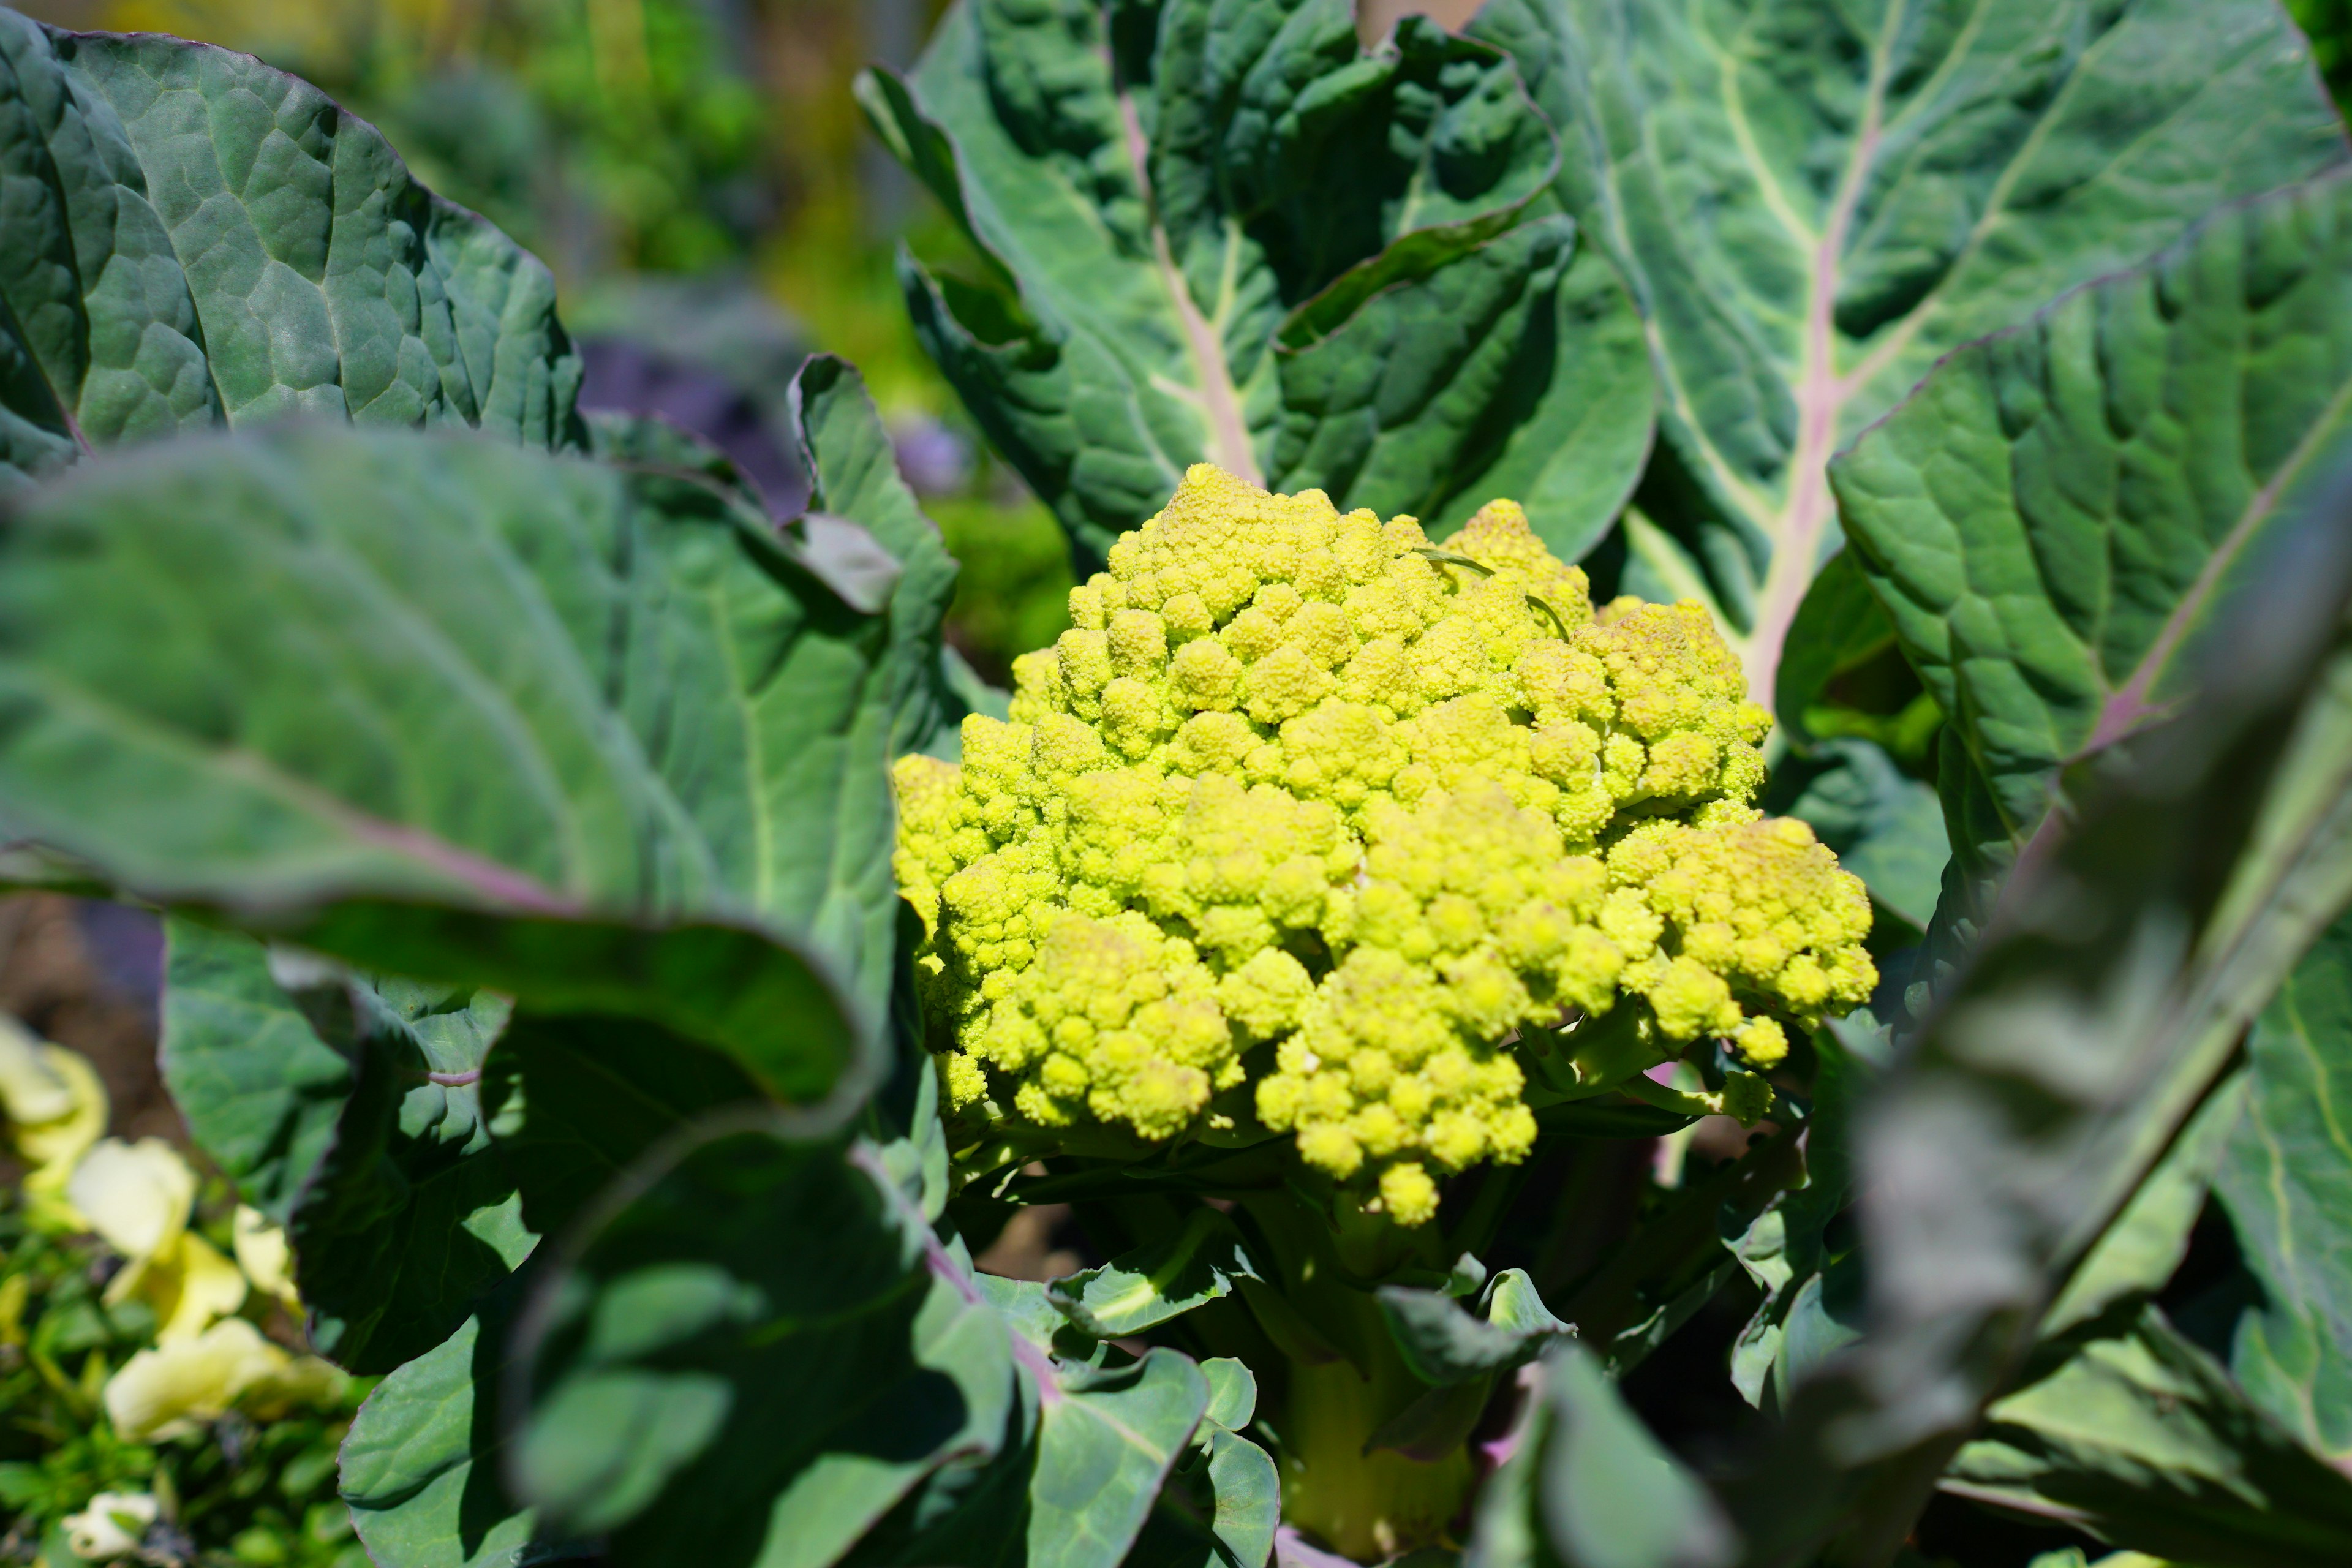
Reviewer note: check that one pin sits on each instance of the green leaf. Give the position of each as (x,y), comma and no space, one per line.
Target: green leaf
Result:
(1839,627)
(1158,1280)
(2140,1253)
(1589,1487)
(2284,1181)
(1219,1510)
(198,240)
(260,1090)
(1815,200)
(570,1103)
(1676,1262)
(2059,519)
(1444,1344)
(701,1389)
(417,1469)
(854,478)
(1227,232)
(2099,1010)
(1107,1440)
(451,709)
(2142,1440)
(410,1217)
(1807,1270)
(1233,1393)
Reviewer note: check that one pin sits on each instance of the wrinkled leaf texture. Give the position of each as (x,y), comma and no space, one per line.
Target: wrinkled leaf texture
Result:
(196,241)
(1813,202)
(1223,230)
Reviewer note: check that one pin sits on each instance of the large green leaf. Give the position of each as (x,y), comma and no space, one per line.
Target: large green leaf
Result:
(410,1214)
(415,1171)
(2099,1010)
(419,1469)
(2062,516)
(197,240)
(1223,230)
(2141,1438)
(1813,201)
(748,1360)
(2287,1181)
(260,1090)
(442,707)
(568,1102)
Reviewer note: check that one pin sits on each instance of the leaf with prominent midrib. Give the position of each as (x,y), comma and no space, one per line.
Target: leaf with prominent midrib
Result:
(2287,1183)
(2060,516)
(1229,232)
(197,240)
(1814,201)
(447,708)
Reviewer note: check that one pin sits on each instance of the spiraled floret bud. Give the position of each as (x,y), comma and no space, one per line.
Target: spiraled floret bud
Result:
(1300,787)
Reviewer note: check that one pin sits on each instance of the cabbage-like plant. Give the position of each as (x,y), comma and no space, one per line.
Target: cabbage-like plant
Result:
(639,967)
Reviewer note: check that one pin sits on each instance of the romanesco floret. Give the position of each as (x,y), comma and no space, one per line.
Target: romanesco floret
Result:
(1302,798)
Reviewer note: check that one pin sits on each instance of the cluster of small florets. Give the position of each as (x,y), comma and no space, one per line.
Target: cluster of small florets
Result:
(1305,780)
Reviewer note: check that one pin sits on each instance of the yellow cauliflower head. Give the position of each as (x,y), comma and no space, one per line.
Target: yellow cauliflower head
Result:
(1302,798)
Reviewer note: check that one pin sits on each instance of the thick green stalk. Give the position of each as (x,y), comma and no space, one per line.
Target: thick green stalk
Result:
(1342,1379)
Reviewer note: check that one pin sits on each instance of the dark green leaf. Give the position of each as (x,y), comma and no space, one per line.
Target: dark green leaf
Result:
(1811,1284)
(447,708)
(419,1468)
(2099,1010)
(197,240)
(571,1103)
(1228,232)
(1675,1261)
(1814,201)
(1444,1345)
(260,1090)
(1589,1487)
(1839,625)
(2142,1440)
(2287,1183)
(1159,1280)
(702,1391)
(2061,517)
(410,1217)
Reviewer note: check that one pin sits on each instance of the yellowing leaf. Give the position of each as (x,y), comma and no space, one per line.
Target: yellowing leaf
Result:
(111,1527)
(179,1387)
(189,1285)
(136,1196)
(263,1253)
(31,1092)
